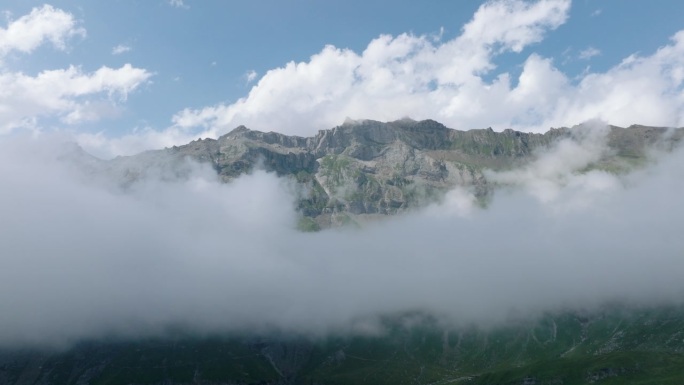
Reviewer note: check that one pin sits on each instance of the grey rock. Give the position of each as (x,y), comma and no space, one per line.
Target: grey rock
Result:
(365,169)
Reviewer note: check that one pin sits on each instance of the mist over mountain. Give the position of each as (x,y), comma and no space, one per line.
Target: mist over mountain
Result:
(364,169)
(213,238)
(181,201)
(206,235)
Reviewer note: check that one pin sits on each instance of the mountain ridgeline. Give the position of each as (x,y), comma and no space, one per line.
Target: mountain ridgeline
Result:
(365,169)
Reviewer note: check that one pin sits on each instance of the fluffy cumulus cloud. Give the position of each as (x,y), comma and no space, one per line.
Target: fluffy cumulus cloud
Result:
(645,90)
(453,81)
(44,24)
(25,99)
(71,95)
(91,259)
(456,82)
(393,77)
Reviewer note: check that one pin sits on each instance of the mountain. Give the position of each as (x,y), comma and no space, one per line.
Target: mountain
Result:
(365,169)
(359,171)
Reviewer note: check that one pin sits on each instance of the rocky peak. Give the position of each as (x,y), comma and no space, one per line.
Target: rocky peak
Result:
(366,168)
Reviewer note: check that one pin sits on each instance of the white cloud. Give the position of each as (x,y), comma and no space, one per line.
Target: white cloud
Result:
(556,177)
(70,95)
(514,24)
(596,12)
(589,53)
(251,76)
(455,82)
(121,48)
(393,77)
(141,139)
(178,4)
(182,252)
(44,24)
(64,93)
(646,90)
(114,275)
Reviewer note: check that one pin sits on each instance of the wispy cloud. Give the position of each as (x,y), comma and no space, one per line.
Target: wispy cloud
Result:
(251,76)
(119,49)
(588,53)
(178,4)
(596,12)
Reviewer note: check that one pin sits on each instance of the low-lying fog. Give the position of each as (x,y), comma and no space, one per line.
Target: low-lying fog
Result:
(82,258)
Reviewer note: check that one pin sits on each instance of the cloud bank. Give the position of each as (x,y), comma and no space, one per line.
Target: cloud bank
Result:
(82,258)
(85,259)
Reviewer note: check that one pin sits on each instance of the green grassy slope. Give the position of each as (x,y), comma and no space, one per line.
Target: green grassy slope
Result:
(611,346)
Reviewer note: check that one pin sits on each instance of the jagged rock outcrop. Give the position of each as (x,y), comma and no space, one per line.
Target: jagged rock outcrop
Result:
(370,168)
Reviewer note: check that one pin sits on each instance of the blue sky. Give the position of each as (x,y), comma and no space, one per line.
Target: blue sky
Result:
(186,69)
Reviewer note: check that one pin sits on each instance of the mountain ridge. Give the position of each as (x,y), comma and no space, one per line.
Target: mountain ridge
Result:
(365,169)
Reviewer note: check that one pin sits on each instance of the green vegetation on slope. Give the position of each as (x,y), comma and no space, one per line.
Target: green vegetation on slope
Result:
(613,346)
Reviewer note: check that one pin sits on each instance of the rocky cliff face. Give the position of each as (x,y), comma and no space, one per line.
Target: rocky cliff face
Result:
(369,168)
